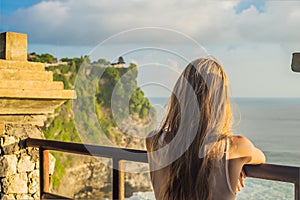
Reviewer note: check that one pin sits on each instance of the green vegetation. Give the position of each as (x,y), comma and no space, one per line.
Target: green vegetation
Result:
(61,126)
(121,81)
(44,58)
(138,103)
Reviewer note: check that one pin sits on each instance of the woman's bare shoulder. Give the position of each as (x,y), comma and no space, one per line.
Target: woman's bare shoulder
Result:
(240,140)
(240,146)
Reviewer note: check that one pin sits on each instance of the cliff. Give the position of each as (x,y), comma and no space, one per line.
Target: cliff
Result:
(87,177)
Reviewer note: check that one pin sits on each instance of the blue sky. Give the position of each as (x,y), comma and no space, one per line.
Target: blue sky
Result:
(9,6)
(254,39)
(246,4)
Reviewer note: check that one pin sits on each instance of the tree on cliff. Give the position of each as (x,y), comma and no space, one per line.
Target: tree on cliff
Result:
(44,58)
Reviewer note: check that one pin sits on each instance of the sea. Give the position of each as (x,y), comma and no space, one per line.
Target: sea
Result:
(273,125)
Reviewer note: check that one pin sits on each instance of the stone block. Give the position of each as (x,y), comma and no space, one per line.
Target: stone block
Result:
(16,131)
(34,154)
(36,196)
(25,164)
(38,94)
(21,65)
(2,128)
(28,105)
(9,144)
(34,132)
(13,46)
(31,85)
(35,120)
(15,184)
(8,165)
(33,186)
(37,164)
(8,197)
(26,75)
(24,196)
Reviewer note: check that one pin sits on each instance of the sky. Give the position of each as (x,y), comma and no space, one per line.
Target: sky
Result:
(253,39)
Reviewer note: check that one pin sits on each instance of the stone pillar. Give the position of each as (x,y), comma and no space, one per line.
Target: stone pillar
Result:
(27,94)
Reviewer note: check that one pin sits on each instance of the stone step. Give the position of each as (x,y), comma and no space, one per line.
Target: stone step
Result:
(12,64)
(30,75)
(32,85)
(37,120)
(37,94)
(28,106)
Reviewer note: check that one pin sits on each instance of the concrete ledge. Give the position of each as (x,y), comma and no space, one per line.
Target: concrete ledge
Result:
(24,65)
(30,75)
(37,94)
(31,85)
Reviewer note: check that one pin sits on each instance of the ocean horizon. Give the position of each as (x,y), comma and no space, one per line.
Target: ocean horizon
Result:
(273,125)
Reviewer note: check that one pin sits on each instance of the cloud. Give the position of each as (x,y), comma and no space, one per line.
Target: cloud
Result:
(254,46)
(279,24)
(75,22)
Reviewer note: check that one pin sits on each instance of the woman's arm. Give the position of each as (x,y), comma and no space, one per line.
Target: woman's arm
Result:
(243,147)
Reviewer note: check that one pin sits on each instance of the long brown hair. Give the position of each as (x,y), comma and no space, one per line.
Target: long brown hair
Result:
(198,118)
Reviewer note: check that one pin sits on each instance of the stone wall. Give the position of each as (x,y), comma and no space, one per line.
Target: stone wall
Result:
(19,172)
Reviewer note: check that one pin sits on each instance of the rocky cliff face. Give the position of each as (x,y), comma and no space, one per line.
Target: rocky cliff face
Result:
(87,177)
(91,178)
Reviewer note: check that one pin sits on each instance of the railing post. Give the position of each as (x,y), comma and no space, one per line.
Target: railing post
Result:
(44,171)
(118,179)
(121,180)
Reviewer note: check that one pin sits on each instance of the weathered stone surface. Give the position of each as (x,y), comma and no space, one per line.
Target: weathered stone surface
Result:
(21,65)
(37,120)
(37,94)
(8,165)
(33,182)
(8,197)
(15,184)
(2,128)
(15,131)
(36,196)
(27,75)
(31,85)
(23,131)
(24,196)
(9,144)
(34,132)
(27,106)
(25,164)
(34,154)
(37,164)
(13,46)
